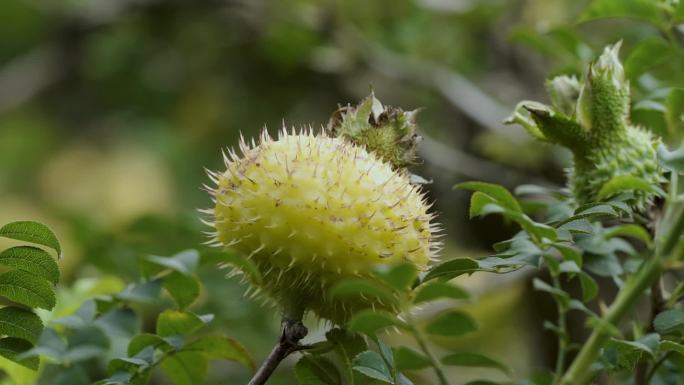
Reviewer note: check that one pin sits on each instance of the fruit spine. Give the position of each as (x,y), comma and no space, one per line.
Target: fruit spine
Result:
(312,210)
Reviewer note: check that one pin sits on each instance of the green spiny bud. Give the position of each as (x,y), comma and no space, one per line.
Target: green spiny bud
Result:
(603,104)
(604,144)
(388,132)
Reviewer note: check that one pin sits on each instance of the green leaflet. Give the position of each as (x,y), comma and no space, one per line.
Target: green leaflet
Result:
(27,289)
(31,260)
(20,323)
(33,232)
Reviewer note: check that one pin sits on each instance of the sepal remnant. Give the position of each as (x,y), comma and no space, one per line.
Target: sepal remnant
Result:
(387,131)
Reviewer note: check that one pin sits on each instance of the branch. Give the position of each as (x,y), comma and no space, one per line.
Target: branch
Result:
(25,76)
(463,164)
(292,332)
(580,371)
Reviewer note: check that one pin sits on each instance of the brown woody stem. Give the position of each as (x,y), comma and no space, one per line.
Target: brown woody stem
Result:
(292,332)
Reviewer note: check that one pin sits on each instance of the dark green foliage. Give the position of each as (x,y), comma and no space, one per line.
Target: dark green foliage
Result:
(28,281)
(33,232)
(174,347)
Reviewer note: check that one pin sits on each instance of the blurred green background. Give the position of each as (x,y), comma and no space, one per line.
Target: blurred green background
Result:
(111,109)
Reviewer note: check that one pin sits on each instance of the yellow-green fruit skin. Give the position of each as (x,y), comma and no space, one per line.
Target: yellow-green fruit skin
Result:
(312,210)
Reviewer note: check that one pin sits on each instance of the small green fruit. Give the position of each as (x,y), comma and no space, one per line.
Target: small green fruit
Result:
(311,210)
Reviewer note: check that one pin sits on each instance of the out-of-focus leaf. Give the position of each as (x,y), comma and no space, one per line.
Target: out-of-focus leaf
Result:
(577,226)
(11,347)
(570,254)
(20,323)
(451,323)
(128,364)
(372,365)
(650,105)
(669,321)
(498,193)
(672,160)
(473,360)
(534,40)
(224,259)
(399,276)
(452,268)
(569,267)
(346,344)
(86,343)
(31,260)
(558,294)
(124,369)
(678,14)
(147,292)
(675,107)
(589,287)
(409,359)
(517,256)
(141,341)
(604,265)
(629,230)
(221,347)
(594,211)
(630,352)
(370,321)
(177,322)
(651,114)
(385,352)
(120,322)
(184,288)
(557,42)
(482,204)
(355,287)
(316,370)
(72,375)
(83,316)
(439,289)
(622,183)
(184,262)
(33,232)
(671,346)
(185,368)
(646,54)
(27,289)
(50,345)
(646,10)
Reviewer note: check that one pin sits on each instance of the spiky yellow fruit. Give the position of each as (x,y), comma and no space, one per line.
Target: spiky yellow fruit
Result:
(311,210)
